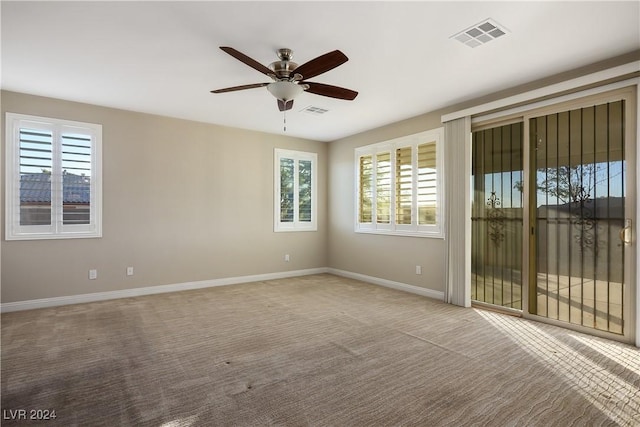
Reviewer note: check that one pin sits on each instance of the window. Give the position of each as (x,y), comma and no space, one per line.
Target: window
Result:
(53,186)
(295,191)
(399,188)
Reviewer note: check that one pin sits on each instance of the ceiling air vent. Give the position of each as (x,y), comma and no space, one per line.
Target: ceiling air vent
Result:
(480,33)
(316,111)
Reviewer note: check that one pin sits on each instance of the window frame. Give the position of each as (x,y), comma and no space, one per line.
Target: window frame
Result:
(57,229)
(296,224)
(414,229)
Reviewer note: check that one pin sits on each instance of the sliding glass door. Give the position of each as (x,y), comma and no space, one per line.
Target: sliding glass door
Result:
(552,230)
(579,191)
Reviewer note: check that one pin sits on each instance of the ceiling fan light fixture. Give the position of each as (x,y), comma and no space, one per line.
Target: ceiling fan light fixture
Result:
(285,90)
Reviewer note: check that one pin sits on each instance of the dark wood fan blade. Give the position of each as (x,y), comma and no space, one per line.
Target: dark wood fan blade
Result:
(330,91)
(285,105)
(245,59)
(234,88)
(321,64)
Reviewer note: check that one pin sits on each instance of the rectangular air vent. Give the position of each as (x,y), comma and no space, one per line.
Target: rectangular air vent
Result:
(316,111)
(481,33)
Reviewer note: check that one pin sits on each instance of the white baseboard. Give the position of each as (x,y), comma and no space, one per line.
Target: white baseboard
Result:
(150,290)
(389,284)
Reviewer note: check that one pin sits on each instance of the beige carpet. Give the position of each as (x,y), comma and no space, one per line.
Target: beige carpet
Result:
(310,351)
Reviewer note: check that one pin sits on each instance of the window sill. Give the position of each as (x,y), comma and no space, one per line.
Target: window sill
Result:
(290,230)
(401,233)
(42,236)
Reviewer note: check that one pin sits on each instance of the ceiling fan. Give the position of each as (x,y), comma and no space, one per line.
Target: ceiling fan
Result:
(291,79)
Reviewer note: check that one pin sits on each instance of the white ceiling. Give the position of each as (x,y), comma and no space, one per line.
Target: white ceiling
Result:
(163,57)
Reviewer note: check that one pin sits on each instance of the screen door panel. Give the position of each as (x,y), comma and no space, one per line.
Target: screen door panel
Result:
(578,187)
(496,222)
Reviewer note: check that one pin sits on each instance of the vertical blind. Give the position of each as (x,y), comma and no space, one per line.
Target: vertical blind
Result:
(457,134)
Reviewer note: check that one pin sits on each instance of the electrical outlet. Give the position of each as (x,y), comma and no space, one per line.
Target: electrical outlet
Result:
(129,271)
(418,269)
(93,274)
(286,257)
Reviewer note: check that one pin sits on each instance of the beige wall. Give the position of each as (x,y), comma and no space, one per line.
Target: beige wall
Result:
(170,212)
(387,257)
(182,201)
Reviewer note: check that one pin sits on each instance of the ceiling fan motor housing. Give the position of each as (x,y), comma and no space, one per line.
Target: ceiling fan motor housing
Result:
(284,68)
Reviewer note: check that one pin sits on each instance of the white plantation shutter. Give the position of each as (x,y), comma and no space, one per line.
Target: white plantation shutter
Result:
(399,188)
(305,190)
(404,186)
(76,178)
(295,191)
(53,189)
(287,171)
(427,184)
(383,188)
(365,190)
(35,159)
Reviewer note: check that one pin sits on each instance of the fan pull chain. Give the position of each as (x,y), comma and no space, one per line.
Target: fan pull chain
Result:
(284,122)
